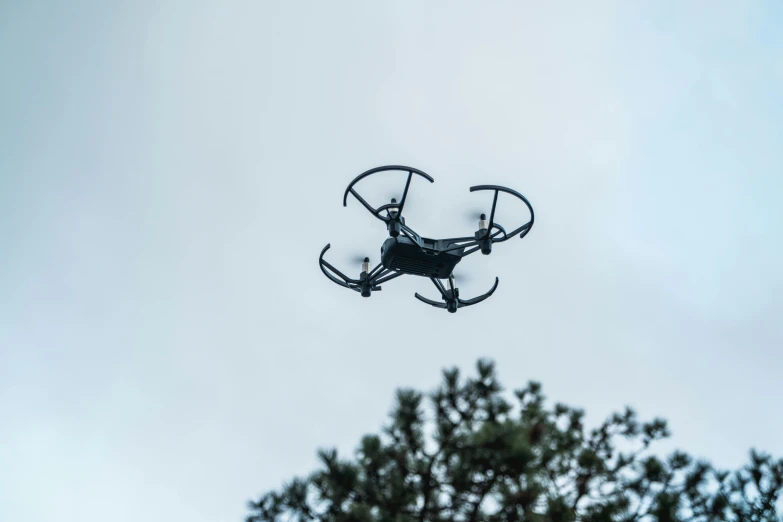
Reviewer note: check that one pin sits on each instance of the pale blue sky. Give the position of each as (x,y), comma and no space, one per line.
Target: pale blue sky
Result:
(168,351)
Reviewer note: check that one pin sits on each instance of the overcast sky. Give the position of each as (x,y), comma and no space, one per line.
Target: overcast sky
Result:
(169,172)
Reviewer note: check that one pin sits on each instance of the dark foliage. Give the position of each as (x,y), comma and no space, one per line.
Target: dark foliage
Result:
(478,458)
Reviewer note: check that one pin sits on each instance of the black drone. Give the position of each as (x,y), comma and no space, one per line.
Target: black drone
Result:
(406,252)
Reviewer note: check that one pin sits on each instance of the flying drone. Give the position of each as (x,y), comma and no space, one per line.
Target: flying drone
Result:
(406,252)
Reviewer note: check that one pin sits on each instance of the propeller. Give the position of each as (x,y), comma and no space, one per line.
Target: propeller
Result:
(362,261)
(356,259)
(462,277)
(459,278)
(353,261)
(473,216)
(396,199)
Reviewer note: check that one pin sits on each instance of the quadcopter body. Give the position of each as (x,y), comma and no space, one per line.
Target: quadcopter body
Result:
(406,252)
(429,258)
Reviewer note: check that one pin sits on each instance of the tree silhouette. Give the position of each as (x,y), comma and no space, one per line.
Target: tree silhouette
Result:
(478,458)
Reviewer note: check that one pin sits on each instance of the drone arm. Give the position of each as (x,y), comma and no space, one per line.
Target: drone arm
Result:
(439,286)
(470,251)
(470,242)
(494,234)
(375,271)
(386,277)
(472,245)
(468,302)
(458,239)
(410,234)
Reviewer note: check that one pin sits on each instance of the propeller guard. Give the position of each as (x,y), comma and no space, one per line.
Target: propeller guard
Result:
(451,296)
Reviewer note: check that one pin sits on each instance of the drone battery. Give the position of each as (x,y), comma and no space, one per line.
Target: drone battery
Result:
(402,254)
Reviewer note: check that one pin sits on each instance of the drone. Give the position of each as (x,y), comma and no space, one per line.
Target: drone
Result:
(407,253)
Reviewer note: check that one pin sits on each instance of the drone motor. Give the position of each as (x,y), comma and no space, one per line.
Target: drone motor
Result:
(482,236)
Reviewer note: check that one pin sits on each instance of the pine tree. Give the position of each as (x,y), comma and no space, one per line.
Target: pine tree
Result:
(478,458)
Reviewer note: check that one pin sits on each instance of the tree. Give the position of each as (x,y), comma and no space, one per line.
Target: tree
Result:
(478,458)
